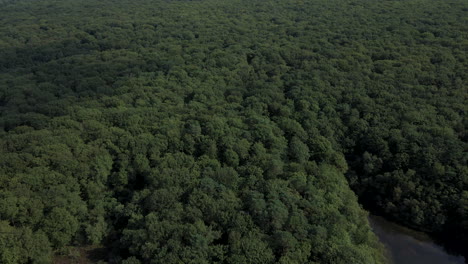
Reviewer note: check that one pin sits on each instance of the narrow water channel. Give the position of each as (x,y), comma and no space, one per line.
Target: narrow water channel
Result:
(406,246)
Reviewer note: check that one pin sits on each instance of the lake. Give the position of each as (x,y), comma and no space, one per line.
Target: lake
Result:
(406,246)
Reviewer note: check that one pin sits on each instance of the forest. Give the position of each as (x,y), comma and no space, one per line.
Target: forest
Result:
(237,132)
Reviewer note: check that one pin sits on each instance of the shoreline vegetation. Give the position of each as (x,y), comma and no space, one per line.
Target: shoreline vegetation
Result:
(239,131)
(405,245)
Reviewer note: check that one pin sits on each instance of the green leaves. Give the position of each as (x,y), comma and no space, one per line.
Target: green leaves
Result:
(219,131)
(60,226)
(21,245)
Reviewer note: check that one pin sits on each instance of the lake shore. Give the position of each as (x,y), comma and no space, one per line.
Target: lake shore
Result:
(407,246)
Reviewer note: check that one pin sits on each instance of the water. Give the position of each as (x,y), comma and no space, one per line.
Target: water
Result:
(406,246)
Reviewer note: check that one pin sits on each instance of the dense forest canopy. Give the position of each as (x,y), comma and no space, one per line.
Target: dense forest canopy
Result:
(217,131)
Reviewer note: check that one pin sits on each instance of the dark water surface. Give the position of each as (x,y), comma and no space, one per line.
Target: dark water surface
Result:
(406,246)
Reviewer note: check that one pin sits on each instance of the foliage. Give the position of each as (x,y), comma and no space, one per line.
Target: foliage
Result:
(229,131)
